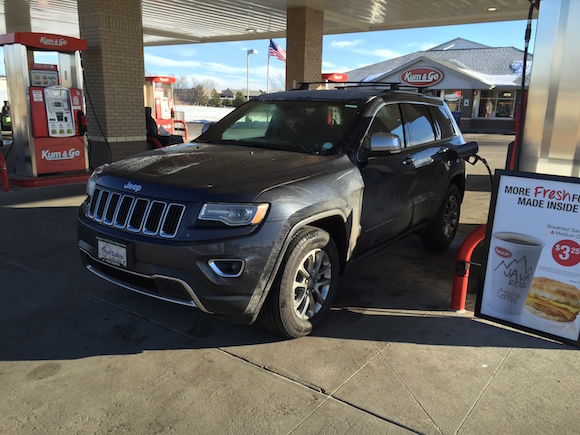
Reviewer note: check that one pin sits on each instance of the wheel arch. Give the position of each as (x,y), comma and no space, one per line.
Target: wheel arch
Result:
(459,181)
(333,222)
(335,226)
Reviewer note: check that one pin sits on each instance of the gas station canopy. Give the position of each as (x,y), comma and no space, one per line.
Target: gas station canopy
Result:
(202,21)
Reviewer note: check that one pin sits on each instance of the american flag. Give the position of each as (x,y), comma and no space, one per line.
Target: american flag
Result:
(276,50)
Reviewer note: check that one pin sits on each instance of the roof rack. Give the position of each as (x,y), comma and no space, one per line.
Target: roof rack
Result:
(393,86)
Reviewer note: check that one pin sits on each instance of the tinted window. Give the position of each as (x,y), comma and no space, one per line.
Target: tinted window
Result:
(419,124)
(443,122)
(387,120)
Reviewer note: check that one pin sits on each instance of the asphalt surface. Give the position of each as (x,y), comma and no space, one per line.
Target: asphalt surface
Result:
(80,355)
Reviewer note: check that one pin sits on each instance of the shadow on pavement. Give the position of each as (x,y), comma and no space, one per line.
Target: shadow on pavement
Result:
(52,308)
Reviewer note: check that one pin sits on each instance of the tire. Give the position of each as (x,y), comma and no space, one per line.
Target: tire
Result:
(439,234)
(305,286)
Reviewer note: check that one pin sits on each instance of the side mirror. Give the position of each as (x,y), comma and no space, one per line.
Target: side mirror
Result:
(385,142)
(207,126)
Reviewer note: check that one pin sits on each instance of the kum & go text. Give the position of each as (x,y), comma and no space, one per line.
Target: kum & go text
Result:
(60,155)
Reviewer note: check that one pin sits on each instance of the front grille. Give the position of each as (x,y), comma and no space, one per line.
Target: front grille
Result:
(137,215)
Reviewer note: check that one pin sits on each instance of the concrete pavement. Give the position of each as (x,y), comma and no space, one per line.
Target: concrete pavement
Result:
(79,355)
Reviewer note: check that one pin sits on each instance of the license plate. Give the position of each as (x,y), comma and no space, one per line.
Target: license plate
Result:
(112,252)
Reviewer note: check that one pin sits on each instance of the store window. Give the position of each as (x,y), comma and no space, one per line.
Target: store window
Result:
(496,104)
(454,100)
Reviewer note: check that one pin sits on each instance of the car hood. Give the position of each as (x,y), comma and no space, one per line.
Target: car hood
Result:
(205,172)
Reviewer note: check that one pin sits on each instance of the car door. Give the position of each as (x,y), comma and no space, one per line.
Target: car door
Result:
(386,207)
(428,156)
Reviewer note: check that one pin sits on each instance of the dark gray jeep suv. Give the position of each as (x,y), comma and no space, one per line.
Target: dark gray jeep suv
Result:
(258,217)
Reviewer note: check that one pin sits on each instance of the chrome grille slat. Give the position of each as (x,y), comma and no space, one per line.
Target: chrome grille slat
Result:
(154,217)
(94,202)
(171,220)
(135,214)
(103,203)
(111,208)
(122,215)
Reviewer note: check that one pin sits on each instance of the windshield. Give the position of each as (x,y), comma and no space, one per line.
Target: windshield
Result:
(313,127)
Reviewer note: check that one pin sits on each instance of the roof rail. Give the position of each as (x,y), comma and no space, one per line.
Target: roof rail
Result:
(394,86)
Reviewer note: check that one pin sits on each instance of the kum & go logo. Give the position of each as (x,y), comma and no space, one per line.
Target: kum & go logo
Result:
(423,76)
(50,156)
(53,42)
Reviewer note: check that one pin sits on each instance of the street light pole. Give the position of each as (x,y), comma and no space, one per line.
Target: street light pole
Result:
(251,51)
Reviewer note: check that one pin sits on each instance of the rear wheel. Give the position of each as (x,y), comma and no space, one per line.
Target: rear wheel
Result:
(305,286)
(439,234)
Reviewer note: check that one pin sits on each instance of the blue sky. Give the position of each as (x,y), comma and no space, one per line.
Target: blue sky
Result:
(225,63)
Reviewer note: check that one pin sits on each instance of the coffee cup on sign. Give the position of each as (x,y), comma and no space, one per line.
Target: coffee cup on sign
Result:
(514,258)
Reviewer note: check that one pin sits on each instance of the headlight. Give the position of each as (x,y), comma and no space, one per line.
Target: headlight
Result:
(93,179)
(234,215)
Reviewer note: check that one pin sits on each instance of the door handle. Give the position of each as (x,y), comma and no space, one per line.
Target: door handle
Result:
(408,161)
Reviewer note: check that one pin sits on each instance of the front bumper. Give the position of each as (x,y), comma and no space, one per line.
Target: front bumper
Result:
(184,272)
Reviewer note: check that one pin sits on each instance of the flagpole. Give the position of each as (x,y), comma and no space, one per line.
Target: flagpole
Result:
(268,71)
(268,51)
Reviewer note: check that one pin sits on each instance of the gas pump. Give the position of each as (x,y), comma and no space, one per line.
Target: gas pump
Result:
(46,104)
(158,93)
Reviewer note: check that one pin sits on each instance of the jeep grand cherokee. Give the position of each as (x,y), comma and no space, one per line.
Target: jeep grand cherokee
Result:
(258,217)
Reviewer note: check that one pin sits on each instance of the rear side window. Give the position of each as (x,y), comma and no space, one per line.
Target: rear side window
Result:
(419,125)
(442,122)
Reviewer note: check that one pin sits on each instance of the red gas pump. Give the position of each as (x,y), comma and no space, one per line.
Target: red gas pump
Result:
(46,104)
(158,93)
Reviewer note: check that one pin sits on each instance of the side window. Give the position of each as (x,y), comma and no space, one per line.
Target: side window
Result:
(419,124)
(387,120)
(443,122)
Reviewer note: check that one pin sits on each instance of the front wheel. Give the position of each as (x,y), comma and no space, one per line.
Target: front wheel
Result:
(305,286)
(439,234)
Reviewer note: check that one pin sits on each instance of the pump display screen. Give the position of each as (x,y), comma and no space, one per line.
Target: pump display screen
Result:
(58,113)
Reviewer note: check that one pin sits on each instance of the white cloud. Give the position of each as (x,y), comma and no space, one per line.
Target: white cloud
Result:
(359,46)
(386,53)
(188,51)
(153,60)
(347,44)
(419,46)
(328,67)
(168,63)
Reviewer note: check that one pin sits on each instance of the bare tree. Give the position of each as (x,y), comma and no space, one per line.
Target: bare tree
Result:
(277,83)
(181,82)
(201,91)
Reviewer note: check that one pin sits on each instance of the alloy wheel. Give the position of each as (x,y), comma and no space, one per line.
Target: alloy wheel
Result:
(312,283)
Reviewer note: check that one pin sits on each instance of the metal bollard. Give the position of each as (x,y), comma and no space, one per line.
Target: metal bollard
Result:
(462,266)
(4,175)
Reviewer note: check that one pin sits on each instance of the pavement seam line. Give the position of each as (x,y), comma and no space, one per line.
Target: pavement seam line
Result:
(407,388)
(91,296)
(484,389)
(265,368)
(412,395)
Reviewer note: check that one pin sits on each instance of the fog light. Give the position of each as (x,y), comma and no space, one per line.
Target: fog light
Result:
(227,268)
